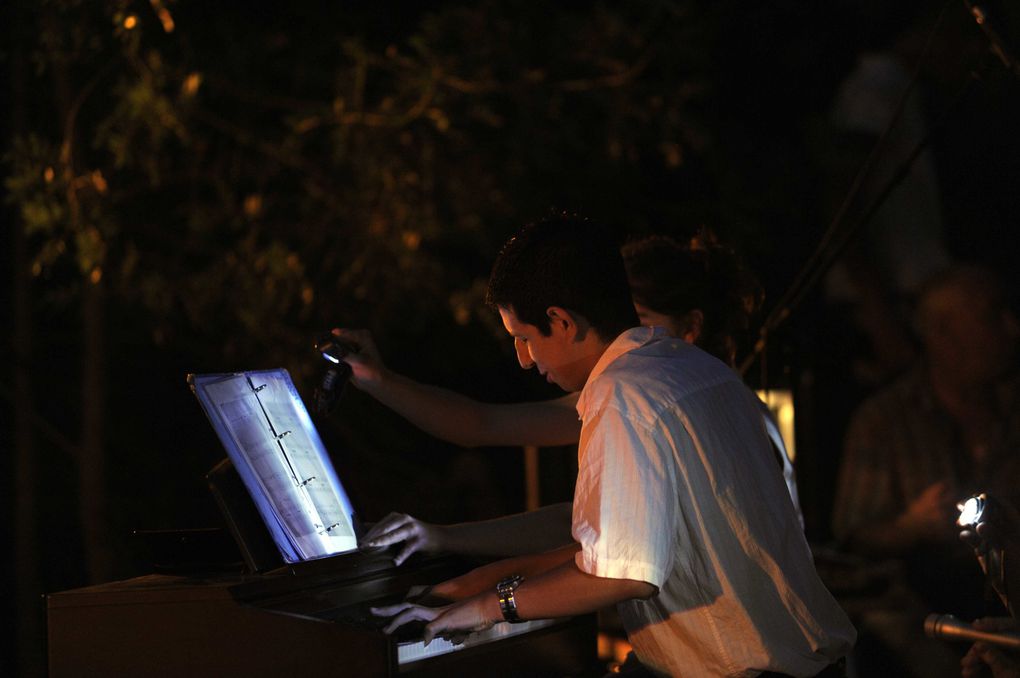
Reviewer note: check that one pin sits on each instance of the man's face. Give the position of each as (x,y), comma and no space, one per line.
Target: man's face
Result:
(968,339)
(560,357)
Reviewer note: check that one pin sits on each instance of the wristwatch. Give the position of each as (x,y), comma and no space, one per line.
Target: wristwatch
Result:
(505,590)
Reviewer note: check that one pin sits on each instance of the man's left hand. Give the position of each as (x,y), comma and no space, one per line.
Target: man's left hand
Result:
(452,622)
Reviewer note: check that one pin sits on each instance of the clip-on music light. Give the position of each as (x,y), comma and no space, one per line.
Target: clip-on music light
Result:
(334,350)
(982,508)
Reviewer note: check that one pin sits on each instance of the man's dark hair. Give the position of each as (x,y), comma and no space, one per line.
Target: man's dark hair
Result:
(564,261)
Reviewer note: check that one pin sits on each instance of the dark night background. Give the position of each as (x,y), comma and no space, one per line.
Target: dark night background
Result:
(203,187)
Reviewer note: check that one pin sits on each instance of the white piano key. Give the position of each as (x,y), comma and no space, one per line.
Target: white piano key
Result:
(414,651)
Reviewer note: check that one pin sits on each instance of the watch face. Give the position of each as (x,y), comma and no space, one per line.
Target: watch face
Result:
(510,582)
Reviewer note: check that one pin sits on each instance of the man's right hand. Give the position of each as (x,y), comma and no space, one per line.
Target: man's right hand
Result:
(983,658)
(367,365)
(930,516)
(1001,531)
(471,583)
(401,528)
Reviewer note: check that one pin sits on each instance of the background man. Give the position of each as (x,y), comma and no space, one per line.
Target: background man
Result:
(947,429)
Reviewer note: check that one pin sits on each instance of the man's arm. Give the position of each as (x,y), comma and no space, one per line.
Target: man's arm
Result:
(999,528)
(483,579)
(928,518)
(868,516)
(560,592)
(985,658)
(522,533)
(454,417)
(566,591)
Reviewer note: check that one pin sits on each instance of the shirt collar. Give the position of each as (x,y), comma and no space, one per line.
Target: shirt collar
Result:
(636,337)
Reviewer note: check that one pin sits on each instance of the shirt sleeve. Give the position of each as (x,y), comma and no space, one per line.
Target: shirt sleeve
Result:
(625,505)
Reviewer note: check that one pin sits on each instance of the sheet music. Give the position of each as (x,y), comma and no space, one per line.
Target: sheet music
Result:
(268,427)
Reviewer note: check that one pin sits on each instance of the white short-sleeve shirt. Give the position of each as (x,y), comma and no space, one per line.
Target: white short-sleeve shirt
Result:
(677,486)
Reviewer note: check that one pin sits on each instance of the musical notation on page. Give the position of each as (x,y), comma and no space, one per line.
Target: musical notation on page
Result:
(270,438)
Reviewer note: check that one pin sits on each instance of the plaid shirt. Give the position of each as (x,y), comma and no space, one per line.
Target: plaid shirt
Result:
(900,442)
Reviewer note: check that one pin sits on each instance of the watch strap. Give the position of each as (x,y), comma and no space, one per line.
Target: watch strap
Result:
(506,590)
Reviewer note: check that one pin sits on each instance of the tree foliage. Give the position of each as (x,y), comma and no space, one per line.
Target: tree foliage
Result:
(237,177)
(240,177)
(257,170)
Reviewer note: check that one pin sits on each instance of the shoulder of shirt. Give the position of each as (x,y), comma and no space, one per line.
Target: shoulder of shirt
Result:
(655,376)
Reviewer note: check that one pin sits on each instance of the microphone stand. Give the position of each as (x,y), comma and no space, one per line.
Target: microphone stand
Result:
(836,237)
(948,627)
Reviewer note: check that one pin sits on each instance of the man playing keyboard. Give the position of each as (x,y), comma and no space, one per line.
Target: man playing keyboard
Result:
(678,516)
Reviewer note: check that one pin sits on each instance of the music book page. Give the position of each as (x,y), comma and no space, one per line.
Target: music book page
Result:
(270,437)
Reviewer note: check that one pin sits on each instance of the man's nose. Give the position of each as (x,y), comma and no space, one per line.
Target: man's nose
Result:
(523,354)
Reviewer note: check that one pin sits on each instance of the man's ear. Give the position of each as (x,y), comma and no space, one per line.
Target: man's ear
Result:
(562,319)
(693,324)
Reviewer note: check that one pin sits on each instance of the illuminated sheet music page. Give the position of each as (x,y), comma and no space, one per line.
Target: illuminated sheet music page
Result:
(269,437)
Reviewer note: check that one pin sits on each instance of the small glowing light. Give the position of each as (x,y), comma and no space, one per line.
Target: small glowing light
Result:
(612,648)
(164,15)
(99,181)
(412,239)
(786,417)
(307,295)
(48,175)
(672,154)
(191,84)
(96,275)
(166,20)
(780,403)
(253,205)
(331,358)
(130,22)
(439,118)
(970,511)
